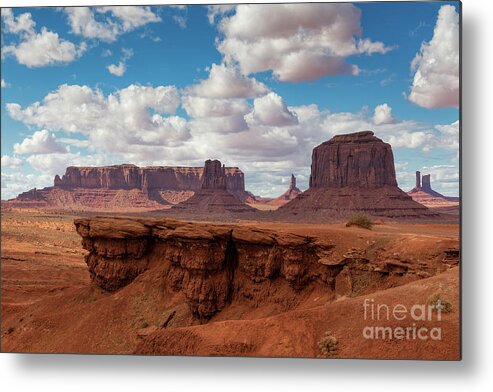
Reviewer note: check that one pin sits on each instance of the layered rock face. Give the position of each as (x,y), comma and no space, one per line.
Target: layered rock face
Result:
(354,172)
(356,160)
(145,178)
(213,197)
(213,265)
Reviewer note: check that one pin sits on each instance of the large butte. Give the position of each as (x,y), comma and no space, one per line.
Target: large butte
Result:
(354,173)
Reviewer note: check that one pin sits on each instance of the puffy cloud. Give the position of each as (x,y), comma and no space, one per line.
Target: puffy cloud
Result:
(436,81)
(41,142)
(117,70)
(383,115)
(272,110)
(83,22)
(22,24)
(5,84)
(43,49)
(56,163)
(11,162)
(129,117)
(132,17)
(113,22)
(227,82)
(37,49)
(296,41)
(411,140)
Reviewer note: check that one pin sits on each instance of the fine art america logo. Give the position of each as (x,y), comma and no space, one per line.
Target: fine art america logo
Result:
(410,320)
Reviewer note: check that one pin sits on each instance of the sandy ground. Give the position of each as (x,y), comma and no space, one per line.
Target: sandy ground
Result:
(50,305)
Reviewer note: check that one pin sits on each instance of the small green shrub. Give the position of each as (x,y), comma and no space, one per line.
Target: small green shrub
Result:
(436,300)
(328,345)
(144,324)
(361,220)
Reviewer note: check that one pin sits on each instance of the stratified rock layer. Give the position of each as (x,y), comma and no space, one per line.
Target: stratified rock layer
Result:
(355,160)
(354,172)
(213,265)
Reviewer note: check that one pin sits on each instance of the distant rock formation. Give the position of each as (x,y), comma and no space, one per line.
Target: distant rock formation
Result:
(354,172)
(424,194)
(213,197)
(126,186)
(289,195)
(146,178)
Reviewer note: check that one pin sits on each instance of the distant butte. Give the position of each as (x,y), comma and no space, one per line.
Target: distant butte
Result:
(354,172)
(424,194)
(213,197)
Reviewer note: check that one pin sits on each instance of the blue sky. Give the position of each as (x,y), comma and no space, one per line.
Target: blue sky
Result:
(192,83)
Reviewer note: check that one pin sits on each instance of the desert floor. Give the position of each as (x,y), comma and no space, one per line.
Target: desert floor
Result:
(50,305)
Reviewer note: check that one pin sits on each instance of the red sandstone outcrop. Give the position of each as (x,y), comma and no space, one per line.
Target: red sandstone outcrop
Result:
(354,172)
(213,197)
(213,265)
(424,194)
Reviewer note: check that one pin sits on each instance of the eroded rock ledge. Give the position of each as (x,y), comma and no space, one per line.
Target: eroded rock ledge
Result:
(214,264)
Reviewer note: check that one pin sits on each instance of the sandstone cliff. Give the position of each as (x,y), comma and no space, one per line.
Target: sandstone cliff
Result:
(359,159)
(214,265)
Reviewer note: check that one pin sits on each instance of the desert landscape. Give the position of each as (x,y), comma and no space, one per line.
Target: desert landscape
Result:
(257,180)
(185,261)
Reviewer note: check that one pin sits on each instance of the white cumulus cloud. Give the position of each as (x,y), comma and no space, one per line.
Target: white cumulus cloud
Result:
(227,82)
(107,23)
(41,142)
(297,42)
(436,81)
(23,24)
(383,115)
(131,117)
(37,49)
(272,110)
